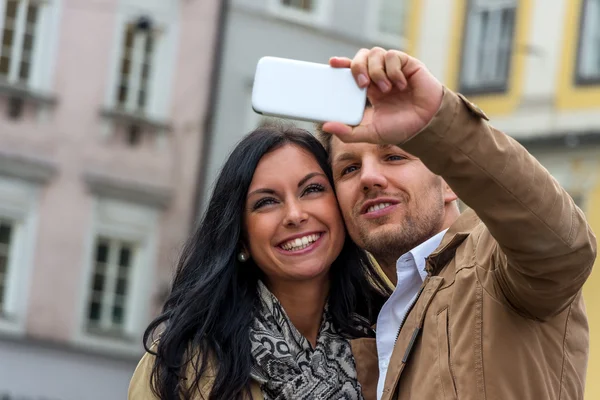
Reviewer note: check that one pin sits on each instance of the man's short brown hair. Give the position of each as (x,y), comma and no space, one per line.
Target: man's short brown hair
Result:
(325,138)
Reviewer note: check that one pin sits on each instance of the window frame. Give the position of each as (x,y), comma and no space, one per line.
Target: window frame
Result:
(128,222)
(106,327)
(45,44)
(166,25)
(138,58)
(319,15)
(373,23)
(486,88)
(5,275)
(19,202)
(579,79)
(19,31)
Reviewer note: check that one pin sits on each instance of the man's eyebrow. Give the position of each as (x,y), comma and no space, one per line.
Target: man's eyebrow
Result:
(390,147)
(382,147)
(345,157)
(348,156)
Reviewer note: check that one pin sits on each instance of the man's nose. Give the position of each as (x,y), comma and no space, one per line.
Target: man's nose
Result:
(372,176)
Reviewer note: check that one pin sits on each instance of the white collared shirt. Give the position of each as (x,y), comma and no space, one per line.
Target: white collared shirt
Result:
(410,269)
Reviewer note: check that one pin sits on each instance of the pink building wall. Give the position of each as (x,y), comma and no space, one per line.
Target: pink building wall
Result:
(72,137)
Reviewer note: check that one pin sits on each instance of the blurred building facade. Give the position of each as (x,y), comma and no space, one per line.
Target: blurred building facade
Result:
(534,67)
(101,127)
(309,30)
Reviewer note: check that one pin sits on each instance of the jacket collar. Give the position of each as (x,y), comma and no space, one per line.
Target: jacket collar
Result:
(456,234)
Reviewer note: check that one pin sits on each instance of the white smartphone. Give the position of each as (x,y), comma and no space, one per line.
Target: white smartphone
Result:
(307,91)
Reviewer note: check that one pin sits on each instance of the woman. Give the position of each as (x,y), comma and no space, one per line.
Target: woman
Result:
(269,290)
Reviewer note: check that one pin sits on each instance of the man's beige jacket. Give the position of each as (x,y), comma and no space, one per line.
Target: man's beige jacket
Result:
(500,315)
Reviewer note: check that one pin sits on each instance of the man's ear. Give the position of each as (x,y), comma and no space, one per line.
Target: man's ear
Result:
(449,195)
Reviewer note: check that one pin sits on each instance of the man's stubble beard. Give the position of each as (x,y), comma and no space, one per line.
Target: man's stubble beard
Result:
(395,240)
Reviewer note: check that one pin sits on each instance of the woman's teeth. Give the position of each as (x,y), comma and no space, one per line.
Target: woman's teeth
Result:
(300,243)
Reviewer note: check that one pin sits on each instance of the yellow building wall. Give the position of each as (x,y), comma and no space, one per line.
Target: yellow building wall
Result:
(591,293)
(572,97)
(413,24)
(497,103)
(568,97)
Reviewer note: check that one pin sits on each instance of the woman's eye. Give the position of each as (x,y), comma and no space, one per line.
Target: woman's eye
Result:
(314,188)
(263,202)
(349,169)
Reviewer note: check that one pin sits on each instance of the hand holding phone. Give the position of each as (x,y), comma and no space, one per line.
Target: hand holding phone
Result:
(307,91)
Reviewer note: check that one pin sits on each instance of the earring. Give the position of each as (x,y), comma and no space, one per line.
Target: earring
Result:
(243,257)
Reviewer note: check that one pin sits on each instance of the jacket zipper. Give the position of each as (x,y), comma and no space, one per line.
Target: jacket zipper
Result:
(415,333)
(409,309)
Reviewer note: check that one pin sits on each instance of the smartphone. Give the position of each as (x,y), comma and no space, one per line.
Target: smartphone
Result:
(307,91)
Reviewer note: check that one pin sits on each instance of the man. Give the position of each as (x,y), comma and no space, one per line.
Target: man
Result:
(487,304)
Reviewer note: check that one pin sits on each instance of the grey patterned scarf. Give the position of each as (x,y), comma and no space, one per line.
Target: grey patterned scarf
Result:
(287,367)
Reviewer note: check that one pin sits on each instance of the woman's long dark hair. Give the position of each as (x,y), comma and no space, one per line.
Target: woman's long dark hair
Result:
(205,322)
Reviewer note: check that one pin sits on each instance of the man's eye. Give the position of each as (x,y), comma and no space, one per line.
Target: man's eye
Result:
(395,158)
(263,202)
(349,170)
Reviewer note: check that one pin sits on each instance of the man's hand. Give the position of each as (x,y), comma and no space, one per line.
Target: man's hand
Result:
(404,94)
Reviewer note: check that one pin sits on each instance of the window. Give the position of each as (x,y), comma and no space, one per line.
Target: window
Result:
(6,239)
(18,206)
(107,305)
(487,50)
(29,32)
(387,21)
(137,102)
(305,5)
(301,11)
(136,66)
(119,274)
(588,68)
(19,31)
